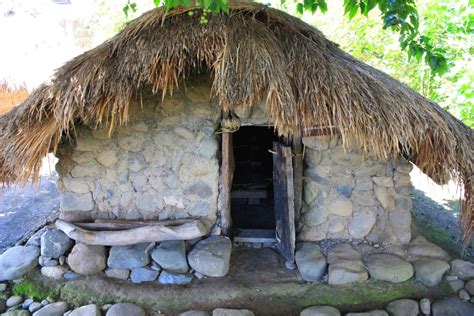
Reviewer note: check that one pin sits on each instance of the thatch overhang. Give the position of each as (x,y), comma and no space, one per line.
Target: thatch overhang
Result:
(253,53)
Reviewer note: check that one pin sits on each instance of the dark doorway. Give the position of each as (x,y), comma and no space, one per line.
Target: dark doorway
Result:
(252,201)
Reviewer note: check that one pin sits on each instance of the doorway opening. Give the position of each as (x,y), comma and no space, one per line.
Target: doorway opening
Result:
(252,198)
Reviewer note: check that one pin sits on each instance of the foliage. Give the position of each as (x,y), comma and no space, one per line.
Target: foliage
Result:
(33,290)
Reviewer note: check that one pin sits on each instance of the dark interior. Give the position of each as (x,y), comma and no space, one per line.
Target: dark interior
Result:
(252,187)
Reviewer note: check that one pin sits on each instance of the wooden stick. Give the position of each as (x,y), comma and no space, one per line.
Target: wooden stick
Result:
(149,233)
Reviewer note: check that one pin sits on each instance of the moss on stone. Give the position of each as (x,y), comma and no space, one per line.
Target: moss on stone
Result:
(36,290)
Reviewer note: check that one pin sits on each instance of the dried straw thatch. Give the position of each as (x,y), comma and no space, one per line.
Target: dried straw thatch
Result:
(254,52)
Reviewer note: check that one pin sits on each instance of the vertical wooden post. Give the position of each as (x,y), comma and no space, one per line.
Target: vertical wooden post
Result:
(226,177)
(297,148)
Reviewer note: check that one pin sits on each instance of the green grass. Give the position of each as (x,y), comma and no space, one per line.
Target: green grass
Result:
(34,290)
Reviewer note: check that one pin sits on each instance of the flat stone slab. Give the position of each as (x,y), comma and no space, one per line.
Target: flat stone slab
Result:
(171,256)
(211,256)
(320,311)
(129,257)
(18,261)
(389,267)
(345,266)
(430,271)
(310,261)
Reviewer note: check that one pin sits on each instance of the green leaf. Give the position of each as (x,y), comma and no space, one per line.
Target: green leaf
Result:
(323,6)
(300,8)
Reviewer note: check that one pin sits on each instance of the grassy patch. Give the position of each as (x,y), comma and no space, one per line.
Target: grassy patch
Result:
(32,289)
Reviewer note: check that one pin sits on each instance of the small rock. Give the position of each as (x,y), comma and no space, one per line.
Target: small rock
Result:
(123,309)
(106,307)
(55,243)
(62,260)
(456,285)
(310,261)
(71,275)
(129,257)
(451,277)
(87,310)
(430,271)
(463,269)
(452,306)
(87,259)
(171,256)
(195,313)
(464,295)
(26,304)
(44,302)
(16,313)
(35,240)
(420,247)
(18,261)
(53,309)
(403,307)
(56,272)
(121,274)
(3,287)
(211,256)
(35,306)
(425,306)
(232,312)
(388,267)
(140,275)
(173,278)
(345,266)
(14,300)
(376,312)
(320,311)
(469,287)
(47,262)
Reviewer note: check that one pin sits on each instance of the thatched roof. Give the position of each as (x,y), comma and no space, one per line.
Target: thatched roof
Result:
(253,53)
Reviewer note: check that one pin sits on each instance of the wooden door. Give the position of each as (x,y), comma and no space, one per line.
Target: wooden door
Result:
(284,200)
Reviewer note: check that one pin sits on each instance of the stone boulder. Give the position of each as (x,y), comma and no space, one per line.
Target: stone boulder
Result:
(420,247)
(310,261)
(345,266)
(173,278)
(129,257)
(430,271)
(463,269)
(171,256)
(125,309)
(470,287)
(232,312)
(452,306)
(87,259)
(211,256)
(53,309)
(389,267)
(18,261)
(320,311)
(121,274)
(140,275)
(55,243)
(87,310)
(403,307)
(55,272)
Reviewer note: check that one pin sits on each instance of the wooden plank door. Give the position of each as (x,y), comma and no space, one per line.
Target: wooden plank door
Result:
(284,200)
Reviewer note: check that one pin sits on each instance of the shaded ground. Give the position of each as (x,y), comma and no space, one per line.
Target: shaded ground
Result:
(257,280)
(24,210)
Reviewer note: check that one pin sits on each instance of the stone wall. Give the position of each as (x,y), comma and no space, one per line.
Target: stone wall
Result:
(347,195)
(161,165)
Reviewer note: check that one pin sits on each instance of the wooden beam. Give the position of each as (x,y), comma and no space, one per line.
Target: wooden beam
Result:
(226,177)
(124,224)
(151,233)
(297,148)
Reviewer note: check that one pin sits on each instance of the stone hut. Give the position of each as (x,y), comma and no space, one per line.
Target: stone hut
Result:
(253,123)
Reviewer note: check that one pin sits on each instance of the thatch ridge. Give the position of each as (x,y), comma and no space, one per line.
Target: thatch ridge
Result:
(253,53)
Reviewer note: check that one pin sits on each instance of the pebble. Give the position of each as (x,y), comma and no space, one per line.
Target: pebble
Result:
(403,307)
(425,306)
(47,261)
(87,310)
(320,311)
(71,275)
(121,274)
(464,295)
(26,304)
(53,309)
(62,260)
(14,300)
(232,312)
(56,272)
(470,287)
(35,306)
(140,275)
(463,269)
(456,285)
(3,287)
(451,277)
(44,302)
(106,307)
(173,278)
(122,309)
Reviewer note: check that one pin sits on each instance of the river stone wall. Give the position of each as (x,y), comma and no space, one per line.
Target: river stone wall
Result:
(347,195)
(161,165)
